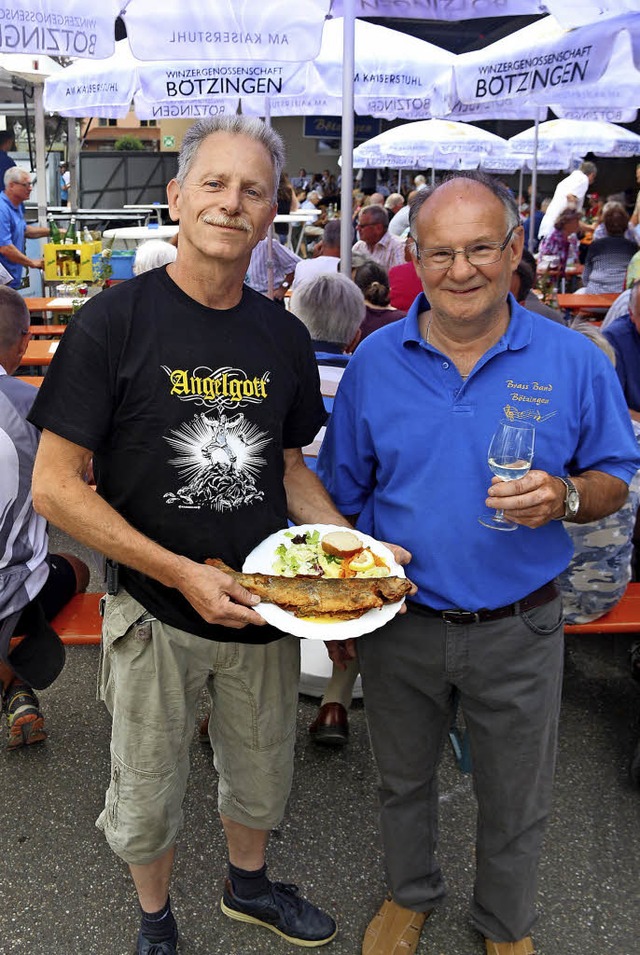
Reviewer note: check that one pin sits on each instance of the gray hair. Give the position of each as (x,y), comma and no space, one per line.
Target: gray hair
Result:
(331,234)
(331,306)
(153,254)
(393,201)
(589,168)
(377,215)
(512,215)
(14,314)
(595,336)
(239,126)
(15,174)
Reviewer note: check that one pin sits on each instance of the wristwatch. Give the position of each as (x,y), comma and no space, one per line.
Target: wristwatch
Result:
(571,499)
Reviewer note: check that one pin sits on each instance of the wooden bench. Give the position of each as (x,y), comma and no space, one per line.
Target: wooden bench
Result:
(624,618)
(80,621)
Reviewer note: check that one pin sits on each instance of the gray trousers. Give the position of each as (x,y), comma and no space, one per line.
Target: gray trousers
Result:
(509,677)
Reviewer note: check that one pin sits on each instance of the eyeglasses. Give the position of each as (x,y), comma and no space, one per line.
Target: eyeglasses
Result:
(25,185)
(480,253)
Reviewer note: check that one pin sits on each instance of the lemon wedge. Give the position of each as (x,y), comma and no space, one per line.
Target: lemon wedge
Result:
(362,561)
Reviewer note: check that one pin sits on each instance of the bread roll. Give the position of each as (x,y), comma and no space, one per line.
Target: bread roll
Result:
(341,544)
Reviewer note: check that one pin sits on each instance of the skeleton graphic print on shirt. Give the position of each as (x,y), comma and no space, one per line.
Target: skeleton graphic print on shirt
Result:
(218,450)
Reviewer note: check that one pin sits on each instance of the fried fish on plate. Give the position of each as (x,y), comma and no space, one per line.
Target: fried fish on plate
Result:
(338,598)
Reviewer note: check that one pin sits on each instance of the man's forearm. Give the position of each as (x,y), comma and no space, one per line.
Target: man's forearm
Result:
(600,495)
(308,501)
(13,254)
(74,507)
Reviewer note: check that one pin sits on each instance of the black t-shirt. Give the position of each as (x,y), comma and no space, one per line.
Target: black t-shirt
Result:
(187,410)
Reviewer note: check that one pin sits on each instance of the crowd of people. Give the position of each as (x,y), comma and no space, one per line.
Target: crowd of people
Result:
(435,340)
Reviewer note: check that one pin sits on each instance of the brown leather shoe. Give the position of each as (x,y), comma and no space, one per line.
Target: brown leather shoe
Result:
(523,947)
(331,725)
(203,730)
(393,930)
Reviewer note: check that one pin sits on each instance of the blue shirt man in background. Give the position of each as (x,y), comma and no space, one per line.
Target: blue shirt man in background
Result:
(7,143)
(406,452)
(624,336)
(13,227)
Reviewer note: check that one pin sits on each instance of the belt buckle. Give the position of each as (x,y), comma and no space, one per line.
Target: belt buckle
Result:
(460,617)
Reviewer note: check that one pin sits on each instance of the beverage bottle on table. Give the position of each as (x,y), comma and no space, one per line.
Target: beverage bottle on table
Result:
(86,235)
(54,231)
(71,236)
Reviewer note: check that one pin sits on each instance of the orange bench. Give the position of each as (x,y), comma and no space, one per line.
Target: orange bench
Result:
(624,618)
(80,621)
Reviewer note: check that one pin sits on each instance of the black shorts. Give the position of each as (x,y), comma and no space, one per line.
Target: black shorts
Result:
(59,588)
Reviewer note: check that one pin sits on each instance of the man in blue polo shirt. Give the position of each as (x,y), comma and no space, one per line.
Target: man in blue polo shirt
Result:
(624,335)
(13,228)
(406,452)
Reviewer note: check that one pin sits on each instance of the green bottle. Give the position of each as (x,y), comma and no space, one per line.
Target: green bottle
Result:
(71,236)
(54,231)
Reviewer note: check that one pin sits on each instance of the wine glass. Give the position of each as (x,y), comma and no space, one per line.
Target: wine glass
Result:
(510,457)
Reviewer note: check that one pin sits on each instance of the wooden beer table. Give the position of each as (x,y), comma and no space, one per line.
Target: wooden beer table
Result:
(39,352)
(585,303)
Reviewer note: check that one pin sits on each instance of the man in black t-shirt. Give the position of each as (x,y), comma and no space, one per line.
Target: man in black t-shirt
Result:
(195,395)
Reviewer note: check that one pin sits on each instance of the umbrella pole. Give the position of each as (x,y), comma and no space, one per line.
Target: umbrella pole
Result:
(346,186)
(534,182)
(73,159)
(41,176)
(270,283)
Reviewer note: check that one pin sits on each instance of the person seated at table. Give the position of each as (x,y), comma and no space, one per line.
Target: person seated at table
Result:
(373,281)
(601,566)
(287,203)
(601,232)
(620,306)
(404,284)
(522,283)
(608,258)
(284,263)
(152,254)
(332,308)
(561,244)
(34,585)
(325,258)
(624,335)
(375,238)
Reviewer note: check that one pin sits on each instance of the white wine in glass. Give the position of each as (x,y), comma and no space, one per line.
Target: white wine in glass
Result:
(510,457)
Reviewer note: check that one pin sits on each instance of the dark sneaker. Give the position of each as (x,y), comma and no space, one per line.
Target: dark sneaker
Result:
(24,719)
(283,911)
(147,947)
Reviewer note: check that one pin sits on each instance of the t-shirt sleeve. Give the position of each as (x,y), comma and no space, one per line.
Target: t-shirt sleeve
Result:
(6,237)
(75,400)
(346,463)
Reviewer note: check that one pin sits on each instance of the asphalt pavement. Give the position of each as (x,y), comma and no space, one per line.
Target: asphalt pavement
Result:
(62,891)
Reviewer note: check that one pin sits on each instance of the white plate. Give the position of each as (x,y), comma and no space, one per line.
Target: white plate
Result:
(261,560)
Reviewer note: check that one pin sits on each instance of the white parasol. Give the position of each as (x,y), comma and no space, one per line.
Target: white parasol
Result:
(435,143)
(166,29)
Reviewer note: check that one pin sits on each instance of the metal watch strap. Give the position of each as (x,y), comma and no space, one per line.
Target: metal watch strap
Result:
(570,489)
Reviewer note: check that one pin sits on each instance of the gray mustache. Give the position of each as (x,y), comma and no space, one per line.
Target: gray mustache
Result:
(228,222)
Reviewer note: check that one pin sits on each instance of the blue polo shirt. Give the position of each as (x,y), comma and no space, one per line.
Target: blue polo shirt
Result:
(12,229)
(626,342)
(406,449)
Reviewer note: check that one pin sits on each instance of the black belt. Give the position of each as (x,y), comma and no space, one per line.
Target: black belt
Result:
(543,595)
